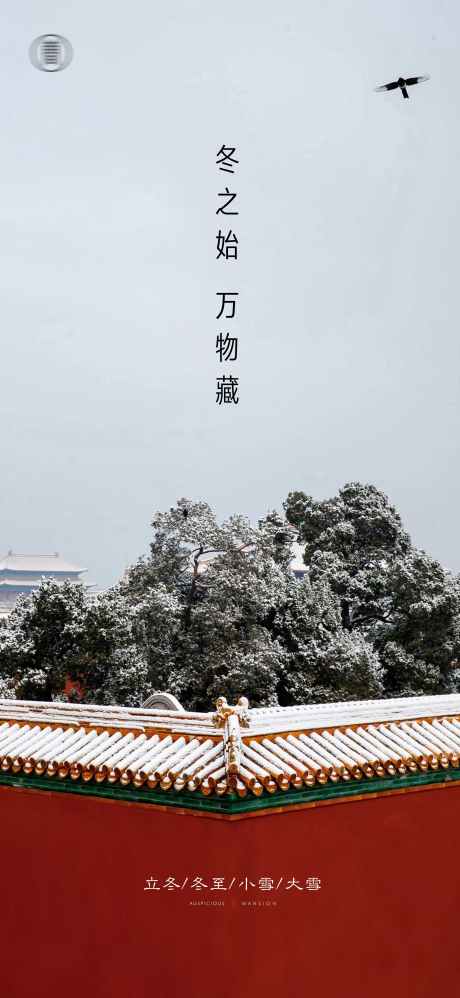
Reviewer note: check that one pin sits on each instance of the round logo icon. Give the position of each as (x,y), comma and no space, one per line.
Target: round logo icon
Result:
(50,53)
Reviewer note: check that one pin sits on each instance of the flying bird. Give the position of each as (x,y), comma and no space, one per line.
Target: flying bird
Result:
(402,84)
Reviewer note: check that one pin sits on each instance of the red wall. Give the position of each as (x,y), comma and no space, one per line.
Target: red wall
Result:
(77,921)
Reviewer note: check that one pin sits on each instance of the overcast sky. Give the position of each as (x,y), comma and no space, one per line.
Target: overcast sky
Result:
(348,269)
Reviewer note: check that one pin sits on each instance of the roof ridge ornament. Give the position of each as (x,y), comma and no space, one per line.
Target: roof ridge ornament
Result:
(225,710)
(230,719)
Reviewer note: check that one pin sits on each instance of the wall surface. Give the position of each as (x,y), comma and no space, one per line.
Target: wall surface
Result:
(76,919)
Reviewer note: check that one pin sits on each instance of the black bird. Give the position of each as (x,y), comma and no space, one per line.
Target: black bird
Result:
(185,513)
(402,84)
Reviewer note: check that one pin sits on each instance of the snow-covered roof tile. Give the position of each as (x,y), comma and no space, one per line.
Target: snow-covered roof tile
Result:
(234,752)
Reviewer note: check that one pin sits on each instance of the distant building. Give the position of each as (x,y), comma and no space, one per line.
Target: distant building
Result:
(297,565)
(21,574)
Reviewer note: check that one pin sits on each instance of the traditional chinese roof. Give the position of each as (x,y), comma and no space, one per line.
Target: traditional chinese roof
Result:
(19,582)
(37,564)
(41,564)
(233,759)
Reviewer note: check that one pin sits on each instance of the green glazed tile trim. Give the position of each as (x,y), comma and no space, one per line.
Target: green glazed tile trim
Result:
(231,803)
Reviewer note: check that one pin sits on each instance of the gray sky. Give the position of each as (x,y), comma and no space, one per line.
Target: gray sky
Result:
(347,274)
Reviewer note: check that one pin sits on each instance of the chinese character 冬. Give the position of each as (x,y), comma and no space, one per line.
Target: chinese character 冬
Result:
(225,163)
(198,884)
(227,297)
(170,884)
(227,347)
(227,390)
(227,246)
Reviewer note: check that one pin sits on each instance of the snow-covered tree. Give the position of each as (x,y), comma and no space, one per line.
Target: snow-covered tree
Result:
(59,633)
(400,600)
(324,662)
(216,589)
(240,621)
(42,639)
(214,609)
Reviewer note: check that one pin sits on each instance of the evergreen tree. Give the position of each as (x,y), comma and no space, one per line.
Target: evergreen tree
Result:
(214,609)
(405,605)
(42,640)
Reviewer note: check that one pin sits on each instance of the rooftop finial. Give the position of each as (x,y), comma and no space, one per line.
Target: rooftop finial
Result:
(230,718)
(225,710)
